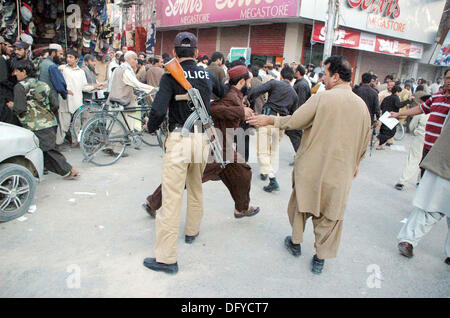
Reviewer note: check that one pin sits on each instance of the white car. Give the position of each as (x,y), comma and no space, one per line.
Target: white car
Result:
(21,166)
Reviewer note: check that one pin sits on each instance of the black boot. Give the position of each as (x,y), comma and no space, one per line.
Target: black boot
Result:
(190,239)
(149,210)
(317,265)
(273,185)
(294,249)
(152,264)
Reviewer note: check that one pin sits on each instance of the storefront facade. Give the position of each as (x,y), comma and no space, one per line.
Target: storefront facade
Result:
(388,37)
(264,26)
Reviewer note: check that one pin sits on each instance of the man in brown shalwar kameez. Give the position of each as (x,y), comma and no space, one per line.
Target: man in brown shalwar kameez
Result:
(227,113)
(336,125)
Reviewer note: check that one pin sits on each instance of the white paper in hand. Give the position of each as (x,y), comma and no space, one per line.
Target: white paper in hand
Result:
(389,122)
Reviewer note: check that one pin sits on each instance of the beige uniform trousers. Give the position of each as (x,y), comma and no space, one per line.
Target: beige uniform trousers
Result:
(327,232)
(269,139)
(183,165)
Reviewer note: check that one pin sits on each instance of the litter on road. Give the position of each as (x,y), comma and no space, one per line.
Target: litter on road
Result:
(32,209)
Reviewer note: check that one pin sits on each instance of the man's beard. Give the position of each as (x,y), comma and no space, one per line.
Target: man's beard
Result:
(57,60)
(244,90)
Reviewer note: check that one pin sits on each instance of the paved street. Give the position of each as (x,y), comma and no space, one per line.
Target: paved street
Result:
(107,235)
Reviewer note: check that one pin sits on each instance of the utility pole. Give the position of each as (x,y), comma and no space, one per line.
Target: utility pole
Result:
(332,24)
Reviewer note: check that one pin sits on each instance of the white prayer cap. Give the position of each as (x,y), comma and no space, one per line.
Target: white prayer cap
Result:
(54,46)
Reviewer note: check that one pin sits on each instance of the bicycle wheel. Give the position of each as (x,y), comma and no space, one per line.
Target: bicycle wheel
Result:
(161,138)
(103,140)
(81,117)
(150,139)
(400,132)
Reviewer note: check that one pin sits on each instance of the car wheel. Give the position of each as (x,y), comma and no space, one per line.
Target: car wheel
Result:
(17,188)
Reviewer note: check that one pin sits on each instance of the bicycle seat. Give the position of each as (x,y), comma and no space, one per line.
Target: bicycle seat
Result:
(122,102)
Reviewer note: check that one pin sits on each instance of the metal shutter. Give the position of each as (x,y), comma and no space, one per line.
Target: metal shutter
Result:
(207,39)
(268,39)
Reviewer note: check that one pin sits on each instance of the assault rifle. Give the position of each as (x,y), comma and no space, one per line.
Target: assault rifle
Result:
(199,110)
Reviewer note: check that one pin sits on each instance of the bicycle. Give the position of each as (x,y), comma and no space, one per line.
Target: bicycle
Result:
(104,138)
(400,132)
(149,139)
(79,119)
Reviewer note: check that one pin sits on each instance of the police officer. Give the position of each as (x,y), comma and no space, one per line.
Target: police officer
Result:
(184,160)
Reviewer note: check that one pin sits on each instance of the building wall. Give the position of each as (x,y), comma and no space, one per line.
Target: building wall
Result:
(381,64)
(293,43)
(268,39)
(207,39)
(236,36)
(429,72)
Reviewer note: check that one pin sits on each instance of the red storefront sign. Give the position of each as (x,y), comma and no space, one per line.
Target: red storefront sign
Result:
(369,42)
(391,46)
(342,37)
(389,8)
(185,12)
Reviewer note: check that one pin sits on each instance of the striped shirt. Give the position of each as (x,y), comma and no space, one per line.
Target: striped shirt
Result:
(437,106)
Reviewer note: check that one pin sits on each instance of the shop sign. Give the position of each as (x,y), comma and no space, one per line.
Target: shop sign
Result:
(237,52)
(342,37)
(388,8)
(443,58)
(411,20)
(369,42)
(185,12)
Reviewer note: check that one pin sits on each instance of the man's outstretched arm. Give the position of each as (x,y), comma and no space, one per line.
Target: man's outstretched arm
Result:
(409,112)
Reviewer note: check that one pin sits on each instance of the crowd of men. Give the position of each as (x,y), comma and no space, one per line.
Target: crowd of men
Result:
(42,94)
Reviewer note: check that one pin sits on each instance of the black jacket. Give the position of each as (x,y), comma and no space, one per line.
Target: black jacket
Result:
(282,98)
(6,93)
(303,91)
(370,97)
(392,104)
(202,79)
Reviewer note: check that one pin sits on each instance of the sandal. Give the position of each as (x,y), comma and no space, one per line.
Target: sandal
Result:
(250,212)
(72,176)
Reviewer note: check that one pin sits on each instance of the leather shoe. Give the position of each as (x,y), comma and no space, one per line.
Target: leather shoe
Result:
(317,265)
(447,261)
(263,176)
(399,186)
(152,264)
(190,239)
(149,210)
(294,249)
(406,249)
(272,186)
